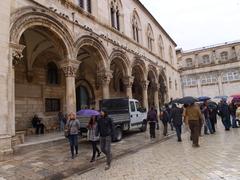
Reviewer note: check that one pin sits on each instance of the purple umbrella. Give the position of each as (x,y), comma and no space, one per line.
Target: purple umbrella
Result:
(87,113)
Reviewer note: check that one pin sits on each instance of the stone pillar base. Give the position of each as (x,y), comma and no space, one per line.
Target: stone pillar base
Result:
(5,147)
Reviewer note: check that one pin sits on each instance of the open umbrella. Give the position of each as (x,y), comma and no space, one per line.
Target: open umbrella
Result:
(87,113)
(187,100)
(220,97)
(212,105)
(175,101)
(204,98)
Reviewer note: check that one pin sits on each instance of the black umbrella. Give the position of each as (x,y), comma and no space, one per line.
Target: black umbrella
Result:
(175,101)
(187,100)
(212,105)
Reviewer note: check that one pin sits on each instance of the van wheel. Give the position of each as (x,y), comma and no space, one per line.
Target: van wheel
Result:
(118,134)
(144,126)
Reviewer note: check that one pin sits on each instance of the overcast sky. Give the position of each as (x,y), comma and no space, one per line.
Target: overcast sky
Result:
(197,23)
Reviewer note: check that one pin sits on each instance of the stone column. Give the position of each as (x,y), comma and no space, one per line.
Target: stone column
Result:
(5,131)
(70,68)
(128,82)
(199,85)
(105,78)
(145,93)
(15,57)
(156,97)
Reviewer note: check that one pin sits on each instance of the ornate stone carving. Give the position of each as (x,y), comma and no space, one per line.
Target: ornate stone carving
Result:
(104,77)
(145,84)
(70,67)
(16,52)
(156,86)
(128,81)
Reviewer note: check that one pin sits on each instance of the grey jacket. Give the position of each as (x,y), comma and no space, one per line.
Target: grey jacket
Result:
(73,126)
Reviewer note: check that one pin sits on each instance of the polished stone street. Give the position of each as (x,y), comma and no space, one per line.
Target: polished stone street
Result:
(217,158)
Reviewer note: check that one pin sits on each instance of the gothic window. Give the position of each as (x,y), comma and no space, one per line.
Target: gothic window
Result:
(135,26)
(86,5)
(224,56)
(176,85)
(161,47)
(89,6)
(231,76)
(83,98)
(115,11)
(52,73)
(150,38)
(81,3)
(206,59)
(171,55)
(189,62)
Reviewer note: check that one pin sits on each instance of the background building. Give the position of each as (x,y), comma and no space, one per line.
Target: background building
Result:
(65,55)
(210,71)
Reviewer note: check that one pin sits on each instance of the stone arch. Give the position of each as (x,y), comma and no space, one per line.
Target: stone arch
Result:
(123,60)
(141,64)
(28,17)
(90,41)
(153,71)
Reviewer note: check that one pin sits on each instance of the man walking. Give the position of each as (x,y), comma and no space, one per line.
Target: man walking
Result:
(152,119)
(105,129)
(192,116)
(224,113)
(176,118)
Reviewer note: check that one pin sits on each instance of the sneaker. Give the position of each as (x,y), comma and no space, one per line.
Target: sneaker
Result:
(107,167)
(92,160)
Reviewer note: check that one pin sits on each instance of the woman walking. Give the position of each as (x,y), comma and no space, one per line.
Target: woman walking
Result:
(73,126)
(92,125)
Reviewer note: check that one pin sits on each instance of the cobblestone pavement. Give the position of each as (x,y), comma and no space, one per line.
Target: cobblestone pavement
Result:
(217,158)
(53,161)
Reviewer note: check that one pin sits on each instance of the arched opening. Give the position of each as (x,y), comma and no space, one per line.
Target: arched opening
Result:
(38,89)
(137,87)
(151,88)
(92,63)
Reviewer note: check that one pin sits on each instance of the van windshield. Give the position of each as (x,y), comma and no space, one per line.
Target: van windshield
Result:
(115,105)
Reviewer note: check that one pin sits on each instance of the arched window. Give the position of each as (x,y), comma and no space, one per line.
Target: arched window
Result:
(89,6)
(170,83)
(136,26)
(233,75)
(115,11)
(224,56)
(170,54)
(206,59)
(189,62)
(150,37)
(52,73)
(161,47)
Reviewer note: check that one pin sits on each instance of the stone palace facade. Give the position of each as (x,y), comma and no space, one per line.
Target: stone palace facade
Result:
(65,55)
(210,71)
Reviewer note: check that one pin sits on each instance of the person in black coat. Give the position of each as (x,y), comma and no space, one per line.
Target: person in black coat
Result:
(36,123)
(176,119)
(152,119)
(164,117)
(224,113)
(213,118)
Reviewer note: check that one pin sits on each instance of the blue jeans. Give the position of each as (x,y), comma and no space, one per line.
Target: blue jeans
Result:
(62,126)
(73,141)
(234,122)
(178,131)
(208,126)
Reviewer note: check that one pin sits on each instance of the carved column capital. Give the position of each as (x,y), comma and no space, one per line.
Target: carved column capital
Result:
(145,84)
(104,77)
(70,67)
(128,81)
(16,53)
(156,86)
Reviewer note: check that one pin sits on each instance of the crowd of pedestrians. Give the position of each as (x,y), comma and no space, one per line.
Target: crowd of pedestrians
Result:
(194,115)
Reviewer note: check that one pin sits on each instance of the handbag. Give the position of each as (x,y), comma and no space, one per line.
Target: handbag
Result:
(67,131)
